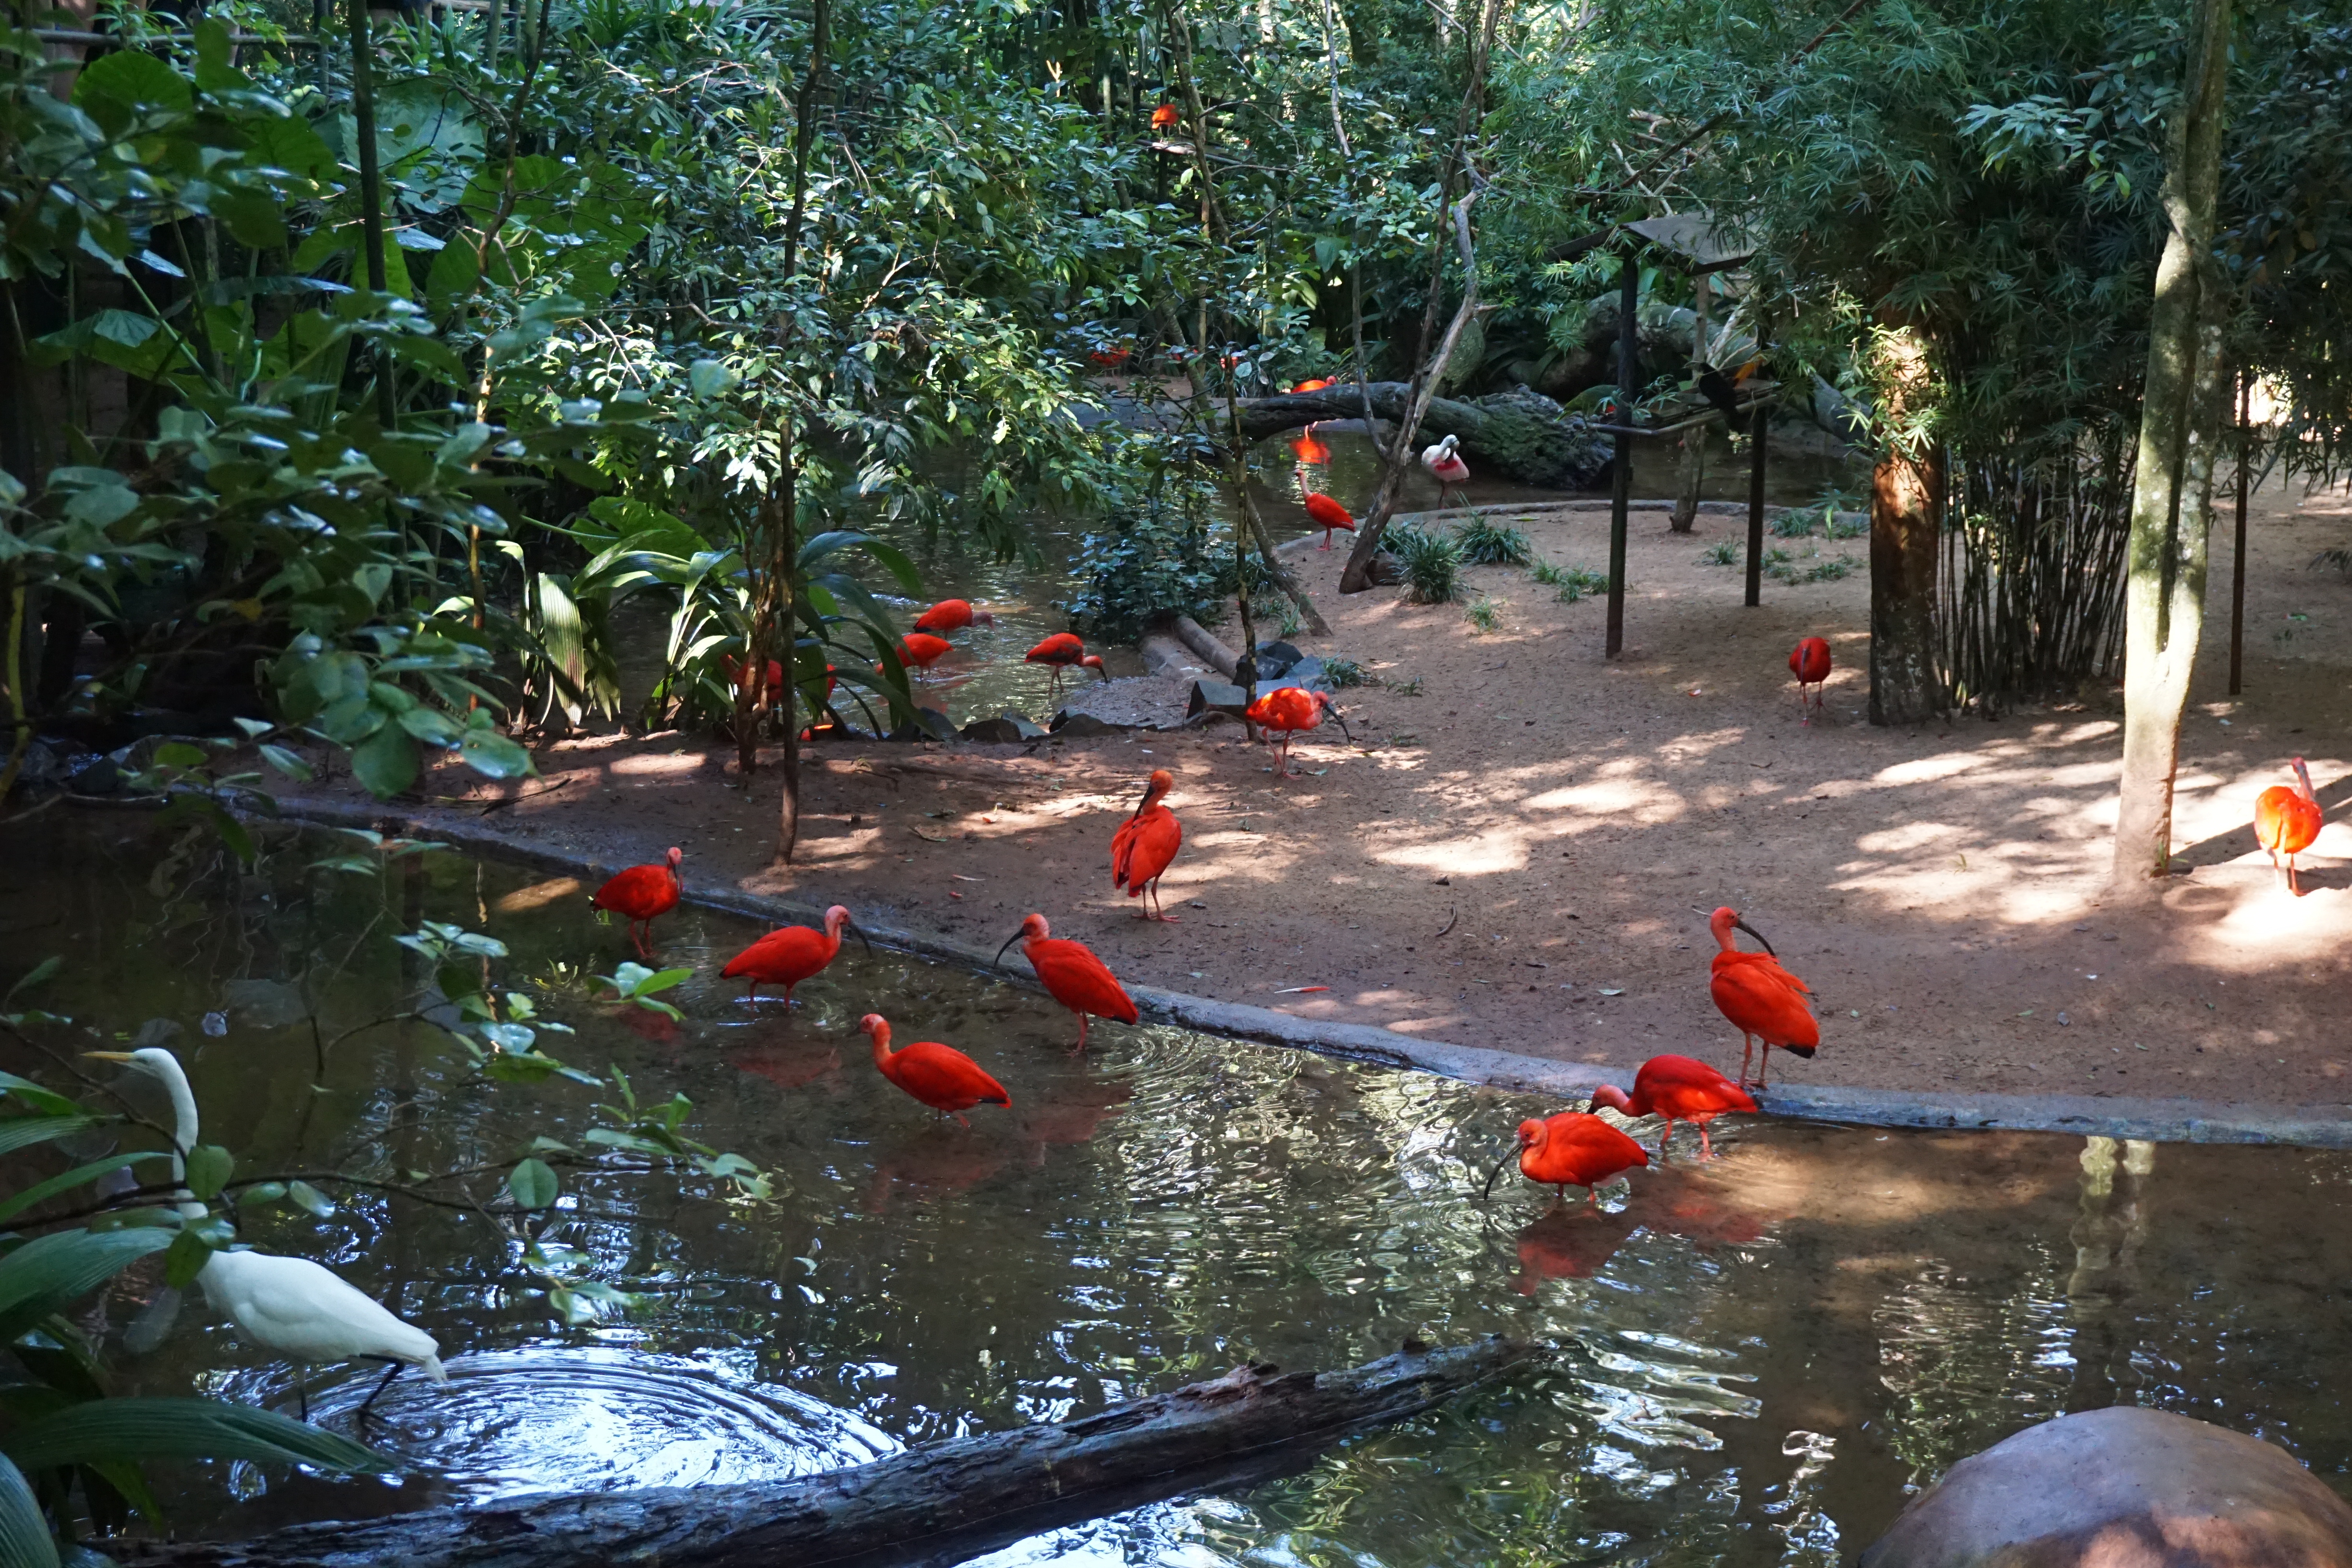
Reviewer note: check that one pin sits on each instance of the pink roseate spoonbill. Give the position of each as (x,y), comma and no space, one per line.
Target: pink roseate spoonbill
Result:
(1290,710)
(791,955)
(1763,1001)
(2287,820)
(1145,844)
(942,1076)
(1065,651)
(639,894)
(1679,1089)
(1809,661)
(1445,467)
(1072,976)
(1573,1149)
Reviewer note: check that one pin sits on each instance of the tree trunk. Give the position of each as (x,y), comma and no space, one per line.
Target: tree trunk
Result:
(2180,428)
(1906,516)
(1685,512)
(942,1503)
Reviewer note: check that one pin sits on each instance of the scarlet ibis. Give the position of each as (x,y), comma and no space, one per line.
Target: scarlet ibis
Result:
(1573,1149)
(1809,661)
(1318,385)
(1164,117)
(1329,514)
(1062,651)
(739,671)
(951,615)
(942,1076)
(787,956)
(921,649)
(1763,1001)
(1145,843)
(1072,976)
(1450,471)
(640,893)
(1679,1089)
(1309,451)
(1290,710)
(2287,820)
(1110,358)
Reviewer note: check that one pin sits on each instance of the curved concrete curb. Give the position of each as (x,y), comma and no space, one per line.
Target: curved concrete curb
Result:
(2083,1115)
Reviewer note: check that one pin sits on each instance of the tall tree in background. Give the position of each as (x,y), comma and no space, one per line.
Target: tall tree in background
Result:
(2183,422)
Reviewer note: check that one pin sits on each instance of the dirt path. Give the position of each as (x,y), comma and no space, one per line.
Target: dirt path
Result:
(1562,820)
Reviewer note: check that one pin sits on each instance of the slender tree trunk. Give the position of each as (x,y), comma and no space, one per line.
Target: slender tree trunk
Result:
(371,189)
(1906,506)
(1685,514)
(2181,425)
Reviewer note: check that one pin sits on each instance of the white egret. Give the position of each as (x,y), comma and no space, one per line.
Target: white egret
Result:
(290,1306)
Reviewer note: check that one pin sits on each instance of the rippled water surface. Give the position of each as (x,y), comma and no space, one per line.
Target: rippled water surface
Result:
(1754,1358)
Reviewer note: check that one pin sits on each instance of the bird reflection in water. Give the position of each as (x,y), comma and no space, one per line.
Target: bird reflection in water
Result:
(934,1162)
(1571,1241)
(1071,1113)
(657,1028)
(794,1065)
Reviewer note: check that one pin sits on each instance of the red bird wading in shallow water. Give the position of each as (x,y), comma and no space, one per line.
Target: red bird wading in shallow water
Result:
(942,1076)
(1328,514)
(1763,1001)
(1290,710)
(920,650)
(1062,651)
(640,893)
(1145,844)
(1072,976)
(1679,1089)
(1809,661)
(792,954)
(1573,1149)
(951,615)
(2287,820)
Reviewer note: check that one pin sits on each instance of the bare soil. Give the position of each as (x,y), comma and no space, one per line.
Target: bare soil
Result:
(1520,850)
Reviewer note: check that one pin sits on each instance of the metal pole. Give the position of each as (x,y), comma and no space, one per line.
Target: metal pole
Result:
(1621,489)
(2238,553)
(1760,422)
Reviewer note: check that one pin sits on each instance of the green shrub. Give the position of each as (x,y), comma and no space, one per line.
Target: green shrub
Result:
(1484,543)
(1343,673)
(1792,525)
(1484,614)
(1575,582)
(1722,552)
(1431,562)
(1837,527)
(1165,556)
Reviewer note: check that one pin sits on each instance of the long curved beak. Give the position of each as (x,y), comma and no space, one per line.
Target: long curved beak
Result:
(1759,935)
(851,927)
(998,962)
(107,1055)
(1488,1190)
(1331,712)
(1139,804)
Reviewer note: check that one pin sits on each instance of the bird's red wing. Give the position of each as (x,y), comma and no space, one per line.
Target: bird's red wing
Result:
(1681,1087)
(1155,844)
(1122,855)
(1080,982)
(789,956)
(944,1078)
(640,892)
(1759,1003)
(2285,823)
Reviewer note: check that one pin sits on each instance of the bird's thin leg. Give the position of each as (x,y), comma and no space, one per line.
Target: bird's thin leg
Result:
(1080,1047)
(390,1374)
(2291,887)
(753,995)
(1666,1138)
(302,1395)
(1705,1152)
(1159,912)
(1746,1052)
(1764,1066)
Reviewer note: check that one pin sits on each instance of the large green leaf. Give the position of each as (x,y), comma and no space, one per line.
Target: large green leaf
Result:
(161,1428)
(49,1271)
(24,1131)
(17,1203)
(25,1540)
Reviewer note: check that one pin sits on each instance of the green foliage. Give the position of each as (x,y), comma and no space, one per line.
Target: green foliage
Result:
(1575,582)
(1722,552)
(1344,673)
(1486,543)
(1163,553)
(1484,614)
(1431,564)
(1792,523)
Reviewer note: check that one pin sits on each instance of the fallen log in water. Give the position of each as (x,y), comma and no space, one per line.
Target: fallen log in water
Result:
(938,1504)
(1519,434)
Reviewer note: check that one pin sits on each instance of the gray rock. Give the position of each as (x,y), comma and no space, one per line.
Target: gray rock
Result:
(1307,672)
(1274,658)
(2121,1487)
(1071,726)
(1223,696)
(94,775)
(929,724)
(1005,729)
(43,767)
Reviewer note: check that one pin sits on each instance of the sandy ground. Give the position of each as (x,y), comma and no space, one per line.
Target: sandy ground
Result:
(1564,823)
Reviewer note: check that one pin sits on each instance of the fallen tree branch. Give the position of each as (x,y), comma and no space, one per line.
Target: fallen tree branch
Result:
(936,1504)
(1519,434)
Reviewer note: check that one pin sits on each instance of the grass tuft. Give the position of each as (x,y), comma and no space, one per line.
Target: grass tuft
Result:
(1484,614)
(1484,543)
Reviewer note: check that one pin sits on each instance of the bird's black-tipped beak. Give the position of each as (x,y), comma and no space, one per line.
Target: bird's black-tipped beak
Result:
(998,962)
(1333,713)
(1488,1190)
(851,927)
(1759,935)
(1142,801)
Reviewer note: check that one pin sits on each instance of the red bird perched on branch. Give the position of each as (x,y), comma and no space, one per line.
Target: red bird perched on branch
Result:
(1072,976)
(1809,661)
(1290,710)
(951,615)
(942,1076)
(792,954)
(1574,1149)
(2287,820)
(1164,118)
(1145,843)
(1679,1089)
(640,893)
(1328,514)
(1062,651)
(1763,1001)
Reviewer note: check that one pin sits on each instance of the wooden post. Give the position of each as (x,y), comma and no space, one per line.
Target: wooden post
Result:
(2238,553)
(1760,422)
(1621,489)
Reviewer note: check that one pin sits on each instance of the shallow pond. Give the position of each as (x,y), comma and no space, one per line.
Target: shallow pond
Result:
(1755,1358)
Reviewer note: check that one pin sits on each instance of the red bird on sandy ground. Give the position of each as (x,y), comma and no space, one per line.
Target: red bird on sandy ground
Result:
(1164,117)
(942,1076)
(1072,976)
(1763,1001)
(1064,651)
(1449,470)
(1290,710)
(951,615)
(1573,1149)
(1679,1089)
(791,955)
(1145,843)
(1311,452)
(1328,514)
(2287,820)
(1809,661)
(1318,385)
(640,893)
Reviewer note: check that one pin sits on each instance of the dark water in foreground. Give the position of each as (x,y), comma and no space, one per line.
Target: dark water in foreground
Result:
(1755,1358)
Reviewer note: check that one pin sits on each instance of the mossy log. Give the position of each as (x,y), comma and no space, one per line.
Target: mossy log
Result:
(942,1504)
(1517,435)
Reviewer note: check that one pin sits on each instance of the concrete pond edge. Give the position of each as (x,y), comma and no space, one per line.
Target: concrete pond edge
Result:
(2159,1121)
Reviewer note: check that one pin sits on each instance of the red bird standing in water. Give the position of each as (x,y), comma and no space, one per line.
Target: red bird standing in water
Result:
(1763,1001)
(787,956)
(942,1076)
(1062,651)
(640,893)
(1145,844)
(1072,976)
(2287,820)
(1679,1089)
(1328,514)
(921,649)
(1290,710)
(1809,661)
(951,615)
(1573,1149)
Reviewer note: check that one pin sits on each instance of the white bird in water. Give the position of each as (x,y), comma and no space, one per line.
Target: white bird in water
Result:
(289,1306)
(1450,471)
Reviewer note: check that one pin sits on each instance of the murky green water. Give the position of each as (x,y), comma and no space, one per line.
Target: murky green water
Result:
(1756,1358)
